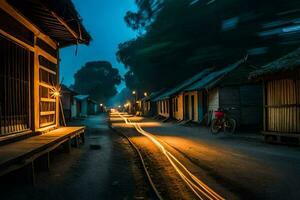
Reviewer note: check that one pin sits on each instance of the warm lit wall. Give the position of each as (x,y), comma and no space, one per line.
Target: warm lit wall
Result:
(163,109)
(178,114)
(45,108)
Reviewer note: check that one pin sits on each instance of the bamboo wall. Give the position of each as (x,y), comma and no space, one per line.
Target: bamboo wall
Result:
(283,106)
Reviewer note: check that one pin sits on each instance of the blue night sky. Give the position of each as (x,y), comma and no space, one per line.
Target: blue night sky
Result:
(104,20)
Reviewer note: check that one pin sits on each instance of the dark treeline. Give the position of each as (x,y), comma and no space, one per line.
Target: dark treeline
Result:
(180,37)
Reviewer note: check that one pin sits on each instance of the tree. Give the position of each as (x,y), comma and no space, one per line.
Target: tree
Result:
(97,79)
(182,37)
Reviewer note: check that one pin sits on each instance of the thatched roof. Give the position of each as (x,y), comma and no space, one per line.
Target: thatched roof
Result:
(286,63)
(56,18)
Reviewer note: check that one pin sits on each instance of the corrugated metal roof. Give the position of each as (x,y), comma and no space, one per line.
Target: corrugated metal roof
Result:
(212,79)
(153,95)
(182,86)
(288,62)
(47,15)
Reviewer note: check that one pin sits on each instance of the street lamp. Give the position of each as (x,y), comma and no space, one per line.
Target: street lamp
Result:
(145,94)
(133,92)
(101,104)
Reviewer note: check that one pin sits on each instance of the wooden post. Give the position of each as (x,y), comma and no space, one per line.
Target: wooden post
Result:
(264,106)
(36,95)
(30,173)
(67,146)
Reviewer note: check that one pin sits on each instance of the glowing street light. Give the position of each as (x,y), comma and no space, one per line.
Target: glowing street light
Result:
(145,94)
(101,104)
(133,92)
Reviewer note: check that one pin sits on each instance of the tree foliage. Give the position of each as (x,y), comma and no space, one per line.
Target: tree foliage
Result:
(97,79)
(180,37)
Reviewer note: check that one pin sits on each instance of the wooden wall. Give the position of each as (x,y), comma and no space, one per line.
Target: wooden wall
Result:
(247,103)
(283,106)
(44,108)
(213,100)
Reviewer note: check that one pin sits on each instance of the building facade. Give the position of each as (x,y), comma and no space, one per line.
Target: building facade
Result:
(281,99)
(31,34)
(228,88)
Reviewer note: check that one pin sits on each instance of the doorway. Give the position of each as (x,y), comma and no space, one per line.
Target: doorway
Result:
(186,107)
(193,107)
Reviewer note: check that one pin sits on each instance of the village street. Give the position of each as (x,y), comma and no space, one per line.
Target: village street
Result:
(234,166)
(104,167)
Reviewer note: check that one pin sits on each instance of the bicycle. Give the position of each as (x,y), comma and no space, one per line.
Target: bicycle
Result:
(223,121)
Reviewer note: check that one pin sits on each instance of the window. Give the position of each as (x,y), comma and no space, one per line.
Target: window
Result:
(15,62)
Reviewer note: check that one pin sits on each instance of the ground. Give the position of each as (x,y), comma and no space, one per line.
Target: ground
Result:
(235,166)
(107,167)
(88,172)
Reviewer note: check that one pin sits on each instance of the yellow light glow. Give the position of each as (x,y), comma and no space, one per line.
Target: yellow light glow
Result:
(133,92)
(55,92)
(145,94)
(199,188)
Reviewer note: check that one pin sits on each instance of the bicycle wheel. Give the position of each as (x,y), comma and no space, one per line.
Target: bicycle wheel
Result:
(230,126)
(215,127)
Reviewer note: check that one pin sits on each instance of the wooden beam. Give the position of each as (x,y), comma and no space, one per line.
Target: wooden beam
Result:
(19,17)
(20,42)
(75,35)
(46,55)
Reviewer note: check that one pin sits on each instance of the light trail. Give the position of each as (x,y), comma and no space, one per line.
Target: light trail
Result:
(200,189)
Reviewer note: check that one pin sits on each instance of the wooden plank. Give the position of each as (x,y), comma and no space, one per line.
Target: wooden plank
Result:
(47,113)
(47,70)
(31,148)
(46,85)
(48,100)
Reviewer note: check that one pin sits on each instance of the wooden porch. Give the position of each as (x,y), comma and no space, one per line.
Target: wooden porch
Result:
(24,153)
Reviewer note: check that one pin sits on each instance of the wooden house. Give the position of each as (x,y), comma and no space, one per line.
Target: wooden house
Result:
(281,100)
(31,34)
(228,87)
(85,106)
(170,103)
(149,107)
(68,102)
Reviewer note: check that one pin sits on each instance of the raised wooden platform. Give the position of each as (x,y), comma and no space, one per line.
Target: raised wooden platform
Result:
(282,138)
(21,153)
